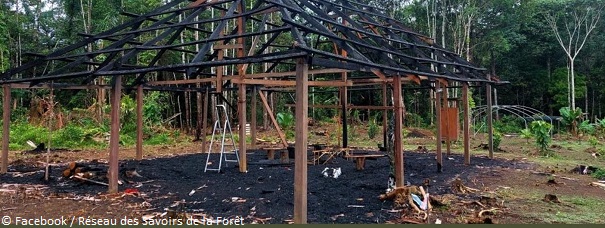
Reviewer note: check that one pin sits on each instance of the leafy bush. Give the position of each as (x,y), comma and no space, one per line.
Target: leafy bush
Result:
(570,118)
(541,130)
(600,126)
(497,139)
(586,127)
(526,134)
(508,124)
(372,129)
(599,174)
(594,142)
(286,121)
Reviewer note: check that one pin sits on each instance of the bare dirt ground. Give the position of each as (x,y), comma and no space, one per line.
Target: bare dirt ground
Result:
(172,184)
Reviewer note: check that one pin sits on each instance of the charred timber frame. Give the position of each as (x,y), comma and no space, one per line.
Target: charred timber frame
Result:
(366,42)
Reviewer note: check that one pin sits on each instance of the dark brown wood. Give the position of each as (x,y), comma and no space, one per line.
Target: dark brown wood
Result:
(205,121)
(447,120)
(241,109)
(384,116)
(281,134)
(398,147)
(114,137)
(300,158)
(243,164)
(466,123)
(438,90)
(490,129)
(253,117)
(139,149)
(6,116)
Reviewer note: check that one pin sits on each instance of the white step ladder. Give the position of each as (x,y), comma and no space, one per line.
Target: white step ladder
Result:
(222,131)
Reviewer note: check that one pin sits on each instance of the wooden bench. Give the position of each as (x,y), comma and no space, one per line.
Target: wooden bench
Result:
(360,159)
(271,153)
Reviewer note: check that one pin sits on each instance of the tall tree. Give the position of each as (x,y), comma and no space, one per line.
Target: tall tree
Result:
(572,27)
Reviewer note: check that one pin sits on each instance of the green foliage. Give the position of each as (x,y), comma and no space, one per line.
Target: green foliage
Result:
(594,142)
(570,118)
(586,127)
(497,139)
(372,129)
(600,126)
(599,174)
(526,134)
(541,130)
(508,124)
(286,121)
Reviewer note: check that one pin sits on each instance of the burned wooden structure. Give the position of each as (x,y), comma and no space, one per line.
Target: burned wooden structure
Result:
(250,46)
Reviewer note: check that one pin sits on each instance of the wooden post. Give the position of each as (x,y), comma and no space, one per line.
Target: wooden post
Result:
(253,118)
(385,117)
(446,106)
(438,122)
(139,148)
(300,159)
(466,122)
(490,130)
(398,147)
(243,164)
(114,137)
(6,120)
(205,120)
(344,101)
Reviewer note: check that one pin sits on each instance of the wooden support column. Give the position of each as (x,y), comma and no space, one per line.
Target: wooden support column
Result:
(490,130)
(114,137)
(300,158)
(253,117)
(466,122)
(446,106)
(139,151)
(385,117)
(241,109)
(243,164)
(344,101)
(438,122)
(6,120)
(398,147)
(205,120)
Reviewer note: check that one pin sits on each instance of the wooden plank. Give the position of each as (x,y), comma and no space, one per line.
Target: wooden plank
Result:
(281,134)
(191,81)
(114,141)
(6,116)
(398,147)
(253,117)
(139,148)
(26,85)
(438,119)
(490,129)
(293,73)
(268,83)
(228,46)
(300,158)
(466,122)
